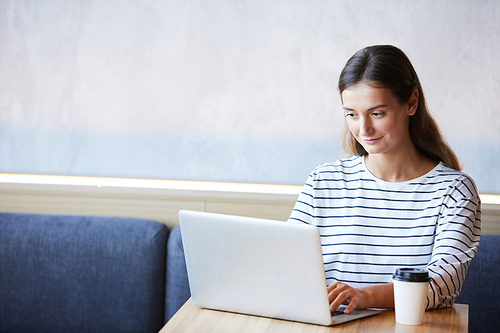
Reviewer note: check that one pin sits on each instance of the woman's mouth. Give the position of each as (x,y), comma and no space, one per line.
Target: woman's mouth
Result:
(371,141)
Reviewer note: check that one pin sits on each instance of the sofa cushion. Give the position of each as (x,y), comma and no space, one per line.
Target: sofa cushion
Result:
(177,279)
(481,289)
(81,274)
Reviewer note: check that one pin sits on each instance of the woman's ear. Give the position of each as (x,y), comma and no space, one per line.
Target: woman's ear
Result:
(413,103)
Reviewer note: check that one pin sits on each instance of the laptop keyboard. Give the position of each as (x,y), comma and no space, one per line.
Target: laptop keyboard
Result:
(337,312)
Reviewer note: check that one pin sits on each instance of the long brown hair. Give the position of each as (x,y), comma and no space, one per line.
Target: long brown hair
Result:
(387,66)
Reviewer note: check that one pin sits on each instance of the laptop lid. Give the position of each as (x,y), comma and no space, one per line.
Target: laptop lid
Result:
(257,266)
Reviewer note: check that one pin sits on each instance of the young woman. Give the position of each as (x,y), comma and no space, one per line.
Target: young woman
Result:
(398,199)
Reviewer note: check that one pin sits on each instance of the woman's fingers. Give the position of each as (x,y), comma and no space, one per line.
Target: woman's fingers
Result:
(354,300)
(339,293)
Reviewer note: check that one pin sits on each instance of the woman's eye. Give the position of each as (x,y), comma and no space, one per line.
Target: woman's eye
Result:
(349,115)
(377,114)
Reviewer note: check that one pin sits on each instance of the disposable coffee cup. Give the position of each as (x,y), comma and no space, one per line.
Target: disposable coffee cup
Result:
(410,291)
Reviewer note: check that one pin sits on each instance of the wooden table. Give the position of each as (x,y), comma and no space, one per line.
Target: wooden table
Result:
(192,319)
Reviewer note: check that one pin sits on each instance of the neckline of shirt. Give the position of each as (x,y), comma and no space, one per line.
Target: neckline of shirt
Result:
(388,184)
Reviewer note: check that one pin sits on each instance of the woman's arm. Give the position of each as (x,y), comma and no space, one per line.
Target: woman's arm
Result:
(456,242)
(303,210)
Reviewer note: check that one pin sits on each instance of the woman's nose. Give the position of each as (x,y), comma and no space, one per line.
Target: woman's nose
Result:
(365,126)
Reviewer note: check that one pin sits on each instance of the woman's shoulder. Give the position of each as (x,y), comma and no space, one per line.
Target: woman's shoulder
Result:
(347,165)
(442,170)
(455,178)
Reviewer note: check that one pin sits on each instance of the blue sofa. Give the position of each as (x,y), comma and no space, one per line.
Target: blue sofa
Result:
(106,274)
(88,274)
(481,289)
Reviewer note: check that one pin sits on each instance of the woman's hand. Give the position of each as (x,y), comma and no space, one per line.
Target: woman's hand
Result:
(377,296)
(341,293)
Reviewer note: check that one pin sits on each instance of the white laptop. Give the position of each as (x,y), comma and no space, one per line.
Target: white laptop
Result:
(258,267)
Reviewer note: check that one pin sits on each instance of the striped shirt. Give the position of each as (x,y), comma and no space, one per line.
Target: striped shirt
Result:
(370,227)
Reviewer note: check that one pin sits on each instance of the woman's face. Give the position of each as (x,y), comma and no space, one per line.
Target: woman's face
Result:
(377,120)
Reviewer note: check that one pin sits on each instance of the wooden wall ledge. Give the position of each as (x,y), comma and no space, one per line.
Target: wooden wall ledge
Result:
(162,199)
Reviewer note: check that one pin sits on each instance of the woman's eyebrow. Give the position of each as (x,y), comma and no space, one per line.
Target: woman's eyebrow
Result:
(370,109)
(377,107)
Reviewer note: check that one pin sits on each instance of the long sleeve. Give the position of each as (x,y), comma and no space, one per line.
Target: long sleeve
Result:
(456,242)
(303,210)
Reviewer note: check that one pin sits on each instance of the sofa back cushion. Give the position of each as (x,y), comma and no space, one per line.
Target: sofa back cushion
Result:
(81,274)
(481,289)
(177,285)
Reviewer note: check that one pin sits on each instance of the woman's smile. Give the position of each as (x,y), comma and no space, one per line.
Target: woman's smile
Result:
(371,141)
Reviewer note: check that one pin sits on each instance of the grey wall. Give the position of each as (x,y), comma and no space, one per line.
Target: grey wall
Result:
(228,90)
